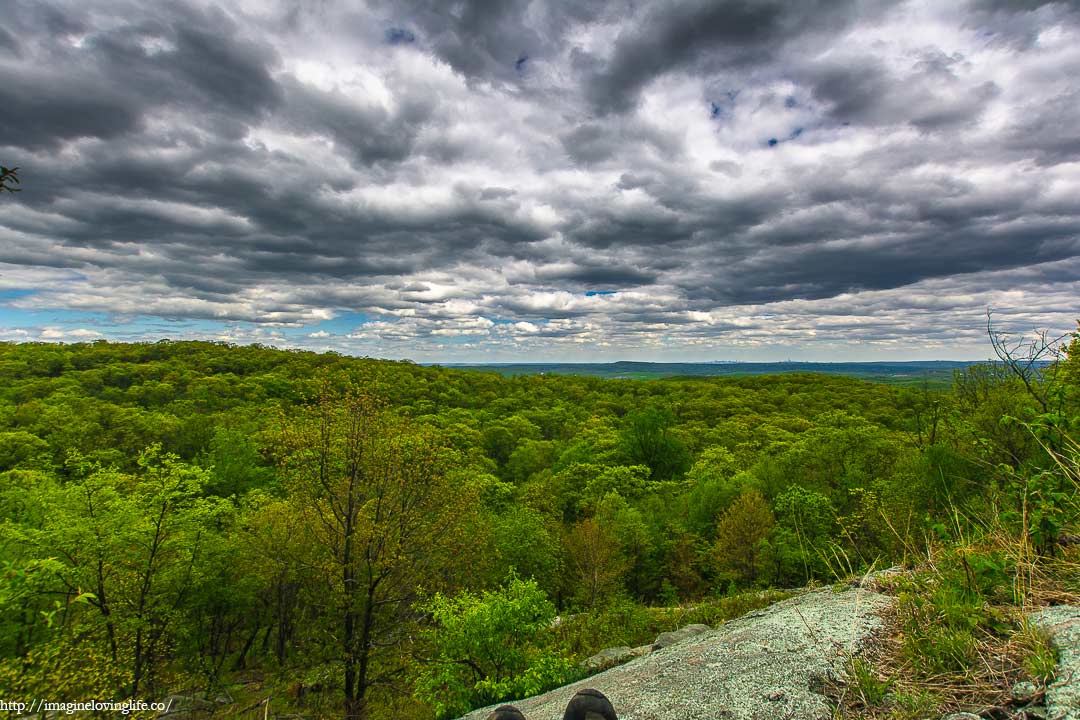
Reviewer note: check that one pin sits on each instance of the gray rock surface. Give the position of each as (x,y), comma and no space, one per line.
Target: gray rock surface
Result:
(767,665)
(1062,626)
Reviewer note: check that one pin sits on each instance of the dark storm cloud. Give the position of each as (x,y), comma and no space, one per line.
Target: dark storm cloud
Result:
(489,39)
(595,142)
(39,109)
(862,90)
(9,43)
(726,34)
(478,38)
(1050,134)
(454,170)
(823,273)
(203,66)
(598,276)
(368,133)
(82,80)
(1019,22)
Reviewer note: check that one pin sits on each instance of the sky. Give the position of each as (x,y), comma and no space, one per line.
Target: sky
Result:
(531,180)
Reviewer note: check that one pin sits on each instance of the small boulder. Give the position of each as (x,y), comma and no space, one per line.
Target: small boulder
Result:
(1024,692)
(667,639)
(608,657)
(1062,626)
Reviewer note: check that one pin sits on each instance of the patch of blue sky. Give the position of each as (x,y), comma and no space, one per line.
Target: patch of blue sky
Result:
(721,108)
(117,327)
(171,328)
(340,324)
(453,340)
(591,293)
(399,36)
(19,317)
(773,142)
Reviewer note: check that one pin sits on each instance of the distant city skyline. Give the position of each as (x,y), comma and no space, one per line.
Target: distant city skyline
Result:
(535,181)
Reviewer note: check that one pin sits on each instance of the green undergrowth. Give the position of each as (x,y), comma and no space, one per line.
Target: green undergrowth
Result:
(959,638)
(627,623)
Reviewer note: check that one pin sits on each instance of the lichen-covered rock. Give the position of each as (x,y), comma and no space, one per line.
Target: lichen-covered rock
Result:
(608,657)
(1062,626)
(771,663)
(667,639)
(1024,692)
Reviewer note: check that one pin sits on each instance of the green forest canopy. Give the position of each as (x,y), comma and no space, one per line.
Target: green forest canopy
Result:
(177,513)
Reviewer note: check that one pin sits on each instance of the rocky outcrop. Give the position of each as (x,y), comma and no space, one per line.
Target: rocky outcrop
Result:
(771,663)
(609,657)
(618,655)
(1062,627)
(668,639)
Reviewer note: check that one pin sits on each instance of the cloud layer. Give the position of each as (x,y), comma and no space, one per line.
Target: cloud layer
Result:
(538,180)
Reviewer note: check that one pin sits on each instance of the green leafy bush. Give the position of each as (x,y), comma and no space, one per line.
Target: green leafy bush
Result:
(489,647)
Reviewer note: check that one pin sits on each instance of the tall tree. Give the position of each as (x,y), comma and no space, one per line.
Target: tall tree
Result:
(382,516)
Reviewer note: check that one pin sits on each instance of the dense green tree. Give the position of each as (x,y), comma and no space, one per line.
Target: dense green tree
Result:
(637,549)
(647,439)
(805,526)
(138,543)
(235,463)
(713,484)
(524,544)
(742,547)
(595,562)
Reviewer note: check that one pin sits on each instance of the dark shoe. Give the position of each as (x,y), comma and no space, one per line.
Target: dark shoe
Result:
(589,704)
(506,712)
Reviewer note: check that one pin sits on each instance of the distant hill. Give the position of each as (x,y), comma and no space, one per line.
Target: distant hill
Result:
(937,372)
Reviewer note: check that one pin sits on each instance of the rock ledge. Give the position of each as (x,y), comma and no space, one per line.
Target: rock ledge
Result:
(771,663)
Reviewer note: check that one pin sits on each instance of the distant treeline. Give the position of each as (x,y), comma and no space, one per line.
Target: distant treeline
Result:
(938,373)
